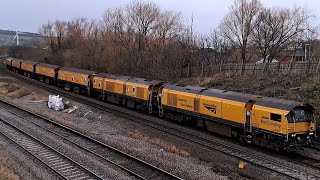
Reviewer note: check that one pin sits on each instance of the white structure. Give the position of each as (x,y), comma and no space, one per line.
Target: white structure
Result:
(261,61)
(17,37)
(55,103)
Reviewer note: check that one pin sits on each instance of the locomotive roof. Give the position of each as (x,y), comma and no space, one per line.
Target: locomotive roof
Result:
(237,96)
(113,76)
(188,89)
(48,65)
(277,103)
(30,62)
(259,100)
(105,75)
(144,81)
(80,71)
(230,95)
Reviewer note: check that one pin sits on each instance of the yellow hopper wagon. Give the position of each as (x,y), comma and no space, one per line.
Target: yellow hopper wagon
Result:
(16,65)
(76,80)
(47,73)
(8,63)
(28,68)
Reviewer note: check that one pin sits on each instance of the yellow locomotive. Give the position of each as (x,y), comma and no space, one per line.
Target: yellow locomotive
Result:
(269,122)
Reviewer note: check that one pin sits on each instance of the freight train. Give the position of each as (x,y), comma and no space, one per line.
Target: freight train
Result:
(274,123)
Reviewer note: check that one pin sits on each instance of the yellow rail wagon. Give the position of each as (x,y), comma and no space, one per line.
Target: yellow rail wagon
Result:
(47,73)
(28,68)
(8,63)
(16,65)
(76,80)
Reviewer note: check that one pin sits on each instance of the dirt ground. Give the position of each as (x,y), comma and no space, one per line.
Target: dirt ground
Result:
(6,173)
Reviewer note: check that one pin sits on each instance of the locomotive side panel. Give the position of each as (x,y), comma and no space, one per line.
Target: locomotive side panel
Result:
(269,119)
(177,99)
(136,90)
(233,111)
(115,86)
(211,106)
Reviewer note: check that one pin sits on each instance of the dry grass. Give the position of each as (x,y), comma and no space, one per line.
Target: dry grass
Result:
(6,173)
(156,141)
(13,90)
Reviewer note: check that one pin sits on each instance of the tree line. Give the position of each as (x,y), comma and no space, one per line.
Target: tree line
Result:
(141,39)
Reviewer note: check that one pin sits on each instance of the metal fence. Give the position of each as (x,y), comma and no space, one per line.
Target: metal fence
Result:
(298,67)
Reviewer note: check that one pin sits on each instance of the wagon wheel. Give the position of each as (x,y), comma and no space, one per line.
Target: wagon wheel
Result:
(161,112)
(150,109)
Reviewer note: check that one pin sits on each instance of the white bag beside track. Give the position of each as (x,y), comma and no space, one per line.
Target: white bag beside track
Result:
(55,103)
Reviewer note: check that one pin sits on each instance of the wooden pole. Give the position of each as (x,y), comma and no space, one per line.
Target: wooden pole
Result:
(188,72)
(318,66)
(202,69)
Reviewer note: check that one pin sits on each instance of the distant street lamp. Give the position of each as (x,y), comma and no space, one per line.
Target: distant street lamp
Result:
(305,51)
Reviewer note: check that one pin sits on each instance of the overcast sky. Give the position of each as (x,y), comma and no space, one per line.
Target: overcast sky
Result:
(29,15)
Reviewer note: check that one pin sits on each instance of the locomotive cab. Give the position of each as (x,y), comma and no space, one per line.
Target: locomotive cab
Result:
(301,125)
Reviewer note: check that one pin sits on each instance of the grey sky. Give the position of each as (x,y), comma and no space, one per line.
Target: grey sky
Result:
(29,15)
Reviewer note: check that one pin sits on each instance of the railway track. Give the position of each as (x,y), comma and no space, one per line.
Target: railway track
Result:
(65,167)
(169,128)
(308,159)
(133,166)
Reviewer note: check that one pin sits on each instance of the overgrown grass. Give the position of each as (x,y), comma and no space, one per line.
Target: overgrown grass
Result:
(158,142)
(13,90)
(6,173)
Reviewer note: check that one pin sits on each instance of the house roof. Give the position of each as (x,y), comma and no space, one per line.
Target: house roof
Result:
(297,53)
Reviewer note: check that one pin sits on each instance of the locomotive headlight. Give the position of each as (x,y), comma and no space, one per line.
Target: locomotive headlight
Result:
(298,137)
(293,135)
(308,137)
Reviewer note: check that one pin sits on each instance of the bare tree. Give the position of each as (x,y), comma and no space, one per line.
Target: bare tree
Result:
(238,25)
(213,48)
(277,29)
(138,36)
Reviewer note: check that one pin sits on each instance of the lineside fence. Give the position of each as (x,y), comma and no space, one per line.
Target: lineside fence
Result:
(294,67)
